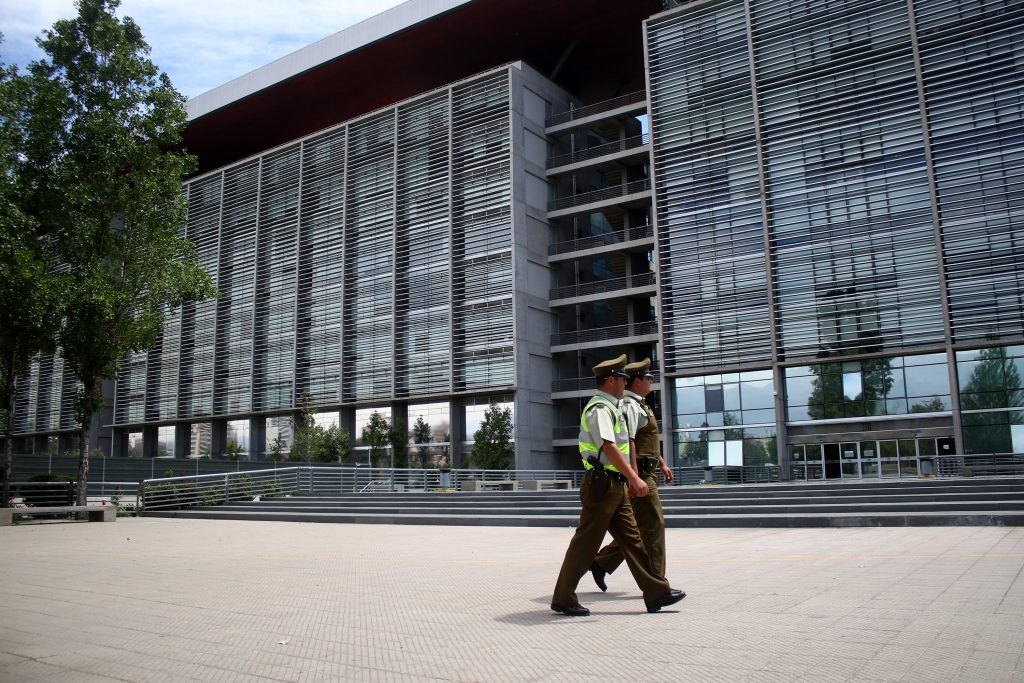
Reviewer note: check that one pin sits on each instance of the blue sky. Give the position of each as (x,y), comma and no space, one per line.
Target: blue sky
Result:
(199,43)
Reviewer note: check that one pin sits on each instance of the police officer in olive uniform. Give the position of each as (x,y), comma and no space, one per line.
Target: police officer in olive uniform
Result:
(646,450)
(604,495)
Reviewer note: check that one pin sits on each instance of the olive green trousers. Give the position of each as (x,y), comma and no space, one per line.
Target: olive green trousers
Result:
(650,520)
(612,514)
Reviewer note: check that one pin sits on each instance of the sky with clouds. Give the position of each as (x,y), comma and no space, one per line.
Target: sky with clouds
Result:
(199,43)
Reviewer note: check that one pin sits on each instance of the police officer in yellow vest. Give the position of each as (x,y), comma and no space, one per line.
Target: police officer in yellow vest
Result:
(646,450)
(604,495)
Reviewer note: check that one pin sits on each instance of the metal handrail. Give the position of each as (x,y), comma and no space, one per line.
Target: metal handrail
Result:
(600,195)
(603,333)
(600,286)
(596,108)
(215,489)
(599,150)
(996,463)
(609,238)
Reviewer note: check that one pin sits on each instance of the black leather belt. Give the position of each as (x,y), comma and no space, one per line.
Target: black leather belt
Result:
(615,476)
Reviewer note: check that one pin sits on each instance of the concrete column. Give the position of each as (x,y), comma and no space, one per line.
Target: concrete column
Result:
(119,443)
(149,442)
(457,420)
(218,438)
(258,438)
(182,440)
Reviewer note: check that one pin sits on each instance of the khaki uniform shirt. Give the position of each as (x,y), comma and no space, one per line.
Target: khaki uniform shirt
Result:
(636,417)
(601,422)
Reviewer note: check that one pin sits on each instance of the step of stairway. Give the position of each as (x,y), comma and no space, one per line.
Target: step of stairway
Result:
(998,501)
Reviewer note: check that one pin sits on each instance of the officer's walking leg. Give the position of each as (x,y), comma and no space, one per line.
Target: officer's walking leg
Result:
(594,520)
(624,530)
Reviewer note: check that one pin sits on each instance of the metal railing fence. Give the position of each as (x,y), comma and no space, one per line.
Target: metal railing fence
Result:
(599,195)
(649,327)
(596,108)
(614,238)
(216,489)
(603,286)
(596,151)
(989,464)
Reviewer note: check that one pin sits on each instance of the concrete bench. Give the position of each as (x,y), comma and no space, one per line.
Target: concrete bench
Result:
(95,513)
(474,485)
(538,484)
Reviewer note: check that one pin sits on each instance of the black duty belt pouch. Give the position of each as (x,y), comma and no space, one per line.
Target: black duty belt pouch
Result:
(599,483)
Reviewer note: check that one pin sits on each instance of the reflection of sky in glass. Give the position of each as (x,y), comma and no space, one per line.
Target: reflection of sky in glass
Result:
(435,415)
(165,440)
(852,387)
(238,431)
(475,417)
(927,380)
(326,420)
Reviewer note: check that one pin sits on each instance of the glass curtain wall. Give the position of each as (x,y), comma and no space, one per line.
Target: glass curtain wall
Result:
(715,304)
(423,275)
(482,235)
(338,259)
(847,191)
(971,56)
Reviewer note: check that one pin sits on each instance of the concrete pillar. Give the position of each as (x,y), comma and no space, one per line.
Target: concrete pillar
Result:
(150,438)
(182,440)
(119,443)
(218,438)
(258,438)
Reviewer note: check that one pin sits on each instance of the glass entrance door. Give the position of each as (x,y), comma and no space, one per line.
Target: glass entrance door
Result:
(849,460)
(888,458)
(869,458)
(833,467)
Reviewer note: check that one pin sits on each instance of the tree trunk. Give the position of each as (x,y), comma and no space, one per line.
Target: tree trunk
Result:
(92,388)
(5,497)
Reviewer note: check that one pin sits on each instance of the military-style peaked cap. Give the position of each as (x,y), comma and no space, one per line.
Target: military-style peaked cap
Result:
(614,366)
(639,368)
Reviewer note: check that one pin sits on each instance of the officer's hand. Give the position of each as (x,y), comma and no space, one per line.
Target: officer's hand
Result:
(638,488)
(667,473)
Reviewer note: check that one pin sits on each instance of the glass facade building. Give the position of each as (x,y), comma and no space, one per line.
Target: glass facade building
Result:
(847,173)
(806,213)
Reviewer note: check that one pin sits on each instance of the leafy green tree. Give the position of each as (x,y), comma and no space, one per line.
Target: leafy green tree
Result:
(304,431)
(233,451)
(421,434)
(332,445)
(377,434)
(101,168)
(492,443)
(30,292)
(277,447)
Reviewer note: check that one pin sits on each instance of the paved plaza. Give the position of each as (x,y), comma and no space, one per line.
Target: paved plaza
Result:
(174,600)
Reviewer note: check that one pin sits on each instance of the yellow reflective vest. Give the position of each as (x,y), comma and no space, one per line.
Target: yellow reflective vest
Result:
(590,444)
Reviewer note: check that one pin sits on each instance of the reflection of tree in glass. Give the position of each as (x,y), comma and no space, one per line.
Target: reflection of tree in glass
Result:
(421,434)
(828,400)
(695,453)
(933,405)
(994,383)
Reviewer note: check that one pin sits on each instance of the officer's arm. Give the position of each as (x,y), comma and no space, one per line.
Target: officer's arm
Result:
(637,487)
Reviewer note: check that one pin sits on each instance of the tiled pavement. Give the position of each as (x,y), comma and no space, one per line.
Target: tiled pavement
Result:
(173,600)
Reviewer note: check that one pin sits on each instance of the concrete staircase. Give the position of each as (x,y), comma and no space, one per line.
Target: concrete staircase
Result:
(943,502)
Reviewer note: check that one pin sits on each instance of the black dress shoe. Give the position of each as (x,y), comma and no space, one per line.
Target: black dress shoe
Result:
(599,574)
(670,598)
(571,610)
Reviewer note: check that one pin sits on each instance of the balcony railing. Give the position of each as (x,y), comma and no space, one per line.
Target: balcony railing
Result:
(602,333)
(596,108)
(583,384)
(599,151)
(599,195)
(617,237)
(610,285)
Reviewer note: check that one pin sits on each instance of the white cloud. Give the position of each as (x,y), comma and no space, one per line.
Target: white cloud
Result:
(199,43)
